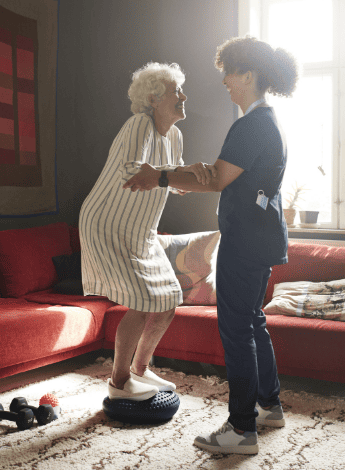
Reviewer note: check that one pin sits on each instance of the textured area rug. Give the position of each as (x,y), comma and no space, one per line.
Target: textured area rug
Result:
(84,438)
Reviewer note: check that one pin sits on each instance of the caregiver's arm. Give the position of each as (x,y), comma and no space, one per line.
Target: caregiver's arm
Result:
(147,179)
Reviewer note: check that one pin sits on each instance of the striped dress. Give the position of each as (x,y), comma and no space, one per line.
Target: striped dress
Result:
(122,258)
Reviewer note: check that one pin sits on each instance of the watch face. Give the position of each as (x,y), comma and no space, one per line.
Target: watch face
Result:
(163,181)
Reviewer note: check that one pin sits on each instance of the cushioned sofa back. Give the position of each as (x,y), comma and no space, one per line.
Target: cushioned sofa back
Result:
(74,238)
(26,258)
(308,262)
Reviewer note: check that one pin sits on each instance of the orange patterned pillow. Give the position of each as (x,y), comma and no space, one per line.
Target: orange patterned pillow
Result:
(193,257)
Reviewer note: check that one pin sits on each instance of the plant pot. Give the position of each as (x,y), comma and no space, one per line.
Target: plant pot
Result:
(308,217)
(289,215)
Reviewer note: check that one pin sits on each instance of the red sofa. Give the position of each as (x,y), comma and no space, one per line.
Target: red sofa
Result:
(40,326)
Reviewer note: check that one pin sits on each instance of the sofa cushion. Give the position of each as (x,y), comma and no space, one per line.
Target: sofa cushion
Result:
(26,258)
(97,305)
(69,287)
(193,257)
(68,266)
(308,262)
(307,347)
(33,330)
(323,300)
(74,238)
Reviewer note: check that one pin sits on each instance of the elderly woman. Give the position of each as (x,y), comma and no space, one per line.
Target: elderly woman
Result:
(121,256)
(253,230)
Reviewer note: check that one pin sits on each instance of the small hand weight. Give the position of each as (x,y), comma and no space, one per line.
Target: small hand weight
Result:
(44,413)
(24,419)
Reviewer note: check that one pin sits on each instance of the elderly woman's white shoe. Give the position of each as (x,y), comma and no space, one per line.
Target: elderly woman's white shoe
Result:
(151,378)
(132,390)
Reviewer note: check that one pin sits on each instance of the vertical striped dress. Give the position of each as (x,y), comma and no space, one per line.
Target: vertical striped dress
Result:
(122,258)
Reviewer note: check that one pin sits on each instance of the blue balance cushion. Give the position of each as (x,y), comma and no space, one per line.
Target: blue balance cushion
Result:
(160,407)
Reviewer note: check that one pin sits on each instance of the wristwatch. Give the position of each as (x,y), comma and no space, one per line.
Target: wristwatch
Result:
(163,181)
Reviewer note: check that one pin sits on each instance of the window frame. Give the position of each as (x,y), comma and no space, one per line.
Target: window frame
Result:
(252,19)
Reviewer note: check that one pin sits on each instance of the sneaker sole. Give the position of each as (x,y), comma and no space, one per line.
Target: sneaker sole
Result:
(229,449)
(143,397)
(274,423)
(167,388)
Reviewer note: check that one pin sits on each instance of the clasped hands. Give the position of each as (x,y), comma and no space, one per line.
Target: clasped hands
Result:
(148,176)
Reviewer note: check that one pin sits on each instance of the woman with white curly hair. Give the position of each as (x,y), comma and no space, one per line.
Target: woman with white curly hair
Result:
(122,258)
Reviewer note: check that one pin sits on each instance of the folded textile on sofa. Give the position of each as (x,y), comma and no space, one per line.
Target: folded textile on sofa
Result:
(322,300)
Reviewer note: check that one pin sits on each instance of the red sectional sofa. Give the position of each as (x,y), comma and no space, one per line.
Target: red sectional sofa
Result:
(40,326)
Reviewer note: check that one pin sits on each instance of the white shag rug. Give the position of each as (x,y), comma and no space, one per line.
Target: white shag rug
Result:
(84,438)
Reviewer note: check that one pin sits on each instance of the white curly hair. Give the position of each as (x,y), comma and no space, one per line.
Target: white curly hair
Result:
(149,80)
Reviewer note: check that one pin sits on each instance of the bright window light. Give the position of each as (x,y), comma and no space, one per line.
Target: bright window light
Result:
(304,27)
(307,122)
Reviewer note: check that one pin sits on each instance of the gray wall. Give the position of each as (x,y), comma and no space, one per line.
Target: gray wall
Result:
(102,42)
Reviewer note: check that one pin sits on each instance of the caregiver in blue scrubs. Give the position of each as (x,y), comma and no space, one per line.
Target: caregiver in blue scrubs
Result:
(250,170)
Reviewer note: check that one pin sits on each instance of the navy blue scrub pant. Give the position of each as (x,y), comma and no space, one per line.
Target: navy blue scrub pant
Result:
(249,355)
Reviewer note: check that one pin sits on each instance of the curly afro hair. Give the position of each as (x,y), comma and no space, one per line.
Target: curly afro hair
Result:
(276,69)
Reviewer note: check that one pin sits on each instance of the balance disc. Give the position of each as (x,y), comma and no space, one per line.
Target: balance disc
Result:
(156,409)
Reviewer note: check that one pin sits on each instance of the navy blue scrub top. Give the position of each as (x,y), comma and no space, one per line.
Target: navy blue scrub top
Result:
(256,143)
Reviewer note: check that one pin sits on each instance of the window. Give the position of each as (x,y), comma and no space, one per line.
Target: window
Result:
(313,119)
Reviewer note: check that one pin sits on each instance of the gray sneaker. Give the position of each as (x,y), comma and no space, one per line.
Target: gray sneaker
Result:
(227,441)
(273,417)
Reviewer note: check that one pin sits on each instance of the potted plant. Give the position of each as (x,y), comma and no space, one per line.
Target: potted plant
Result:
(308,217)
(291,203)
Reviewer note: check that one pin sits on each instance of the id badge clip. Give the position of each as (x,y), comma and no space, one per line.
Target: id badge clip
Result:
(262,200)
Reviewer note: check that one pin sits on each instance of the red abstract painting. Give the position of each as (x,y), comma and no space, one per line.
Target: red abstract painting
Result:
(20,163)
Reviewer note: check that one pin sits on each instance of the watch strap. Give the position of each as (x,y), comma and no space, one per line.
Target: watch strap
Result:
(163,181)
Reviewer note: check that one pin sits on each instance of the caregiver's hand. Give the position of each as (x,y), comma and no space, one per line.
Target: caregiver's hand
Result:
(145,180)
(203,171)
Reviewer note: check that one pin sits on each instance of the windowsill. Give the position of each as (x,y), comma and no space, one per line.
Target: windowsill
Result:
(325,233)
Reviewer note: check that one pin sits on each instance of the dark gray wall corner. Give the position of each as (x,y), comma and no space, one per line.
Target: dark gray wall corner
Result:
(101,44)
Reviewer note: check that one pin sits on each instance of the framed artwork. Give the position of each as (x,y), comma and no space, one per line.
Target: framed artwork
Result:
(28,73)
